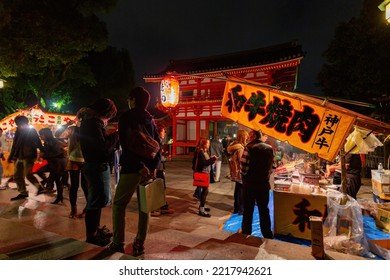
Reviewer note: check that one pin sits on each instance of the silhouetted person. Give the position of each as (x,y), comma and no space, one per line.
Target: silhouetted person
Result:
(256,165)
(96,146)
(24,153)
(134,170)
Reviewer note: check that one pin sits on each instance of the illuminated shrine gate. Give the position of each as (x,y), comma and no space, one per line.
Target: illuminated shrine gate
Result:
(202,84)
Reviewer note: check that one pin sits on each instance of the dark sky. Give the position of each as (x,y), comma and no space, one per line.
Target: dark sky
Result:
(156,31)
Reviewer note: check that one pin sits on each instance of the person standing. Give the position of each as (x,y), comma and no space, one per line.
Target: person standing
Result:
(134,170)
(198,190)
(1,165)
(24,152)
(216,148)
(74,167)
(256,165)
(353,169)
(353,165)
(96,146)
(161,173)
(203,163)
(53,151)
(236,149)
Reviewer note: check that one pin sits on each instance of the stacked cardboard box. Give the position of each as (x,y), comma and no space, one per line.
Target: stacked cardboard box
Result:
(382,219)
(381,183)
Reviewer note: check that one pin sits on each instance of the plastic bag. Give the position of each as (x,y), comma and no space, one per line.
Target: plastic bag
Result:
(345,226)
(359,143)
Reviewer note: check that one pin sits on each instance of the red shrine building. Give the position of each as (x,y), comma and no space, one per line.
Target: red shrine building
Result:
(202,84)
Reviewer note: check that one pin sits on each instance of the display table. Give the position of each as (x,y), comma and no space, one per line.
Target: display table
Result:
(292,212)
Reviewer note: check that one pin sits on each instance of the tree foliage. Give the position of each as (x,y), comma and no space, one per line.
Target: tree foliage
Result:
(43,44)
(357,60)
(113,71)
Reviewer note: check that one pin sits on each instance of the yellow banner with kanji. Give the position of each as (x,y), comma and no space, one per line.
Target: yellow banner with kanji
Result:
(303,124)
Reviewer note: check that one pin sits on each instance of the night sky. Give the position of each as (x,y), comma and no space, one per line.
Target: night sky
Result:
(156,31)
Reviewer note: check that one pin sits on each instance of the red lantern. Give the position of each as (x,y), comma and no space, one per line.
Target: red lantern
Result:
(169,90)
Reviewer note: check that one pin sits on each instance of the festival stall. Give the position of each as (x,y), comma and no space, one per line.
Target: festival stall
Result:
(38,119)
(312,125)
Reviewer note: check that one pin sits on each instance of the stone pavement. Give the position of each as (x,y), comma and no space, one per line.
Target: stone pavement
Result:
(35,229)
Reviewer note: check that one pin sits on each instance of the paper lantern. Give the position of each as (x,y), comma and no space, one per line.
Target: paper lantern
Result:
(169,90)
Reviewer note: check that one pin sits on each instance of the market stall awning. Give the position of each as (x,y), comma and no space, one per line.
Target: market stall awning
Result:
(308,123)
(36,117)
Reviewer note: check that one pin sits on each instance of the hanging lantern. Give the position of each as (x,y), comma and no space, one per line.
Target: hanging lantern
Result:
(169,90)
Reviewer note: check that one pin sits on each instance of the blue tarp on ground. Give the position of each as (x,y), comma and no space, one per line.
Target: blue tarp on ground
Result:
(234,222)
(371,231)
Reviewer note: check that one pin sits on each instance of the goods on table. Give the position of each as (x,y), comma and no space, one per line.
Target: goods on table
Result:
(300,176)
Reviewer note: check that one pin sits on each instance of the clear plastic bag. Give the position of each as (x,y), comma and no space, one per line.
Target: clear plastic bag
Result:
(344,230)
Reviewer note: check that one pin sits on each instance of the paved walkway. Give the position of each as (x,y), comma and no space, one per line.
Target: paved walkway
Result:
(35,229)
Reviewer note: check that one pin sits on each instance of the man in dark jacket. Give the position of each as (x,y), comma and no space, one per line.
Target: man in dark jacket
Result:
(256,164)
(24,153)
(134,170)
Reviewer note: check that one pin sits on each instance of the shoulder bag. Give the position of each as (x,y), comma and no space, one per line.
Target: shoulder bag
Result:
(201,179)
(152,195)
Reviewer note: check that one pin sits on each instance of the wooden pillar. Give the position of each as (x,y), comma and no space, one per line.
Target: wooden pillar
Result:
(343,171)
(174,134)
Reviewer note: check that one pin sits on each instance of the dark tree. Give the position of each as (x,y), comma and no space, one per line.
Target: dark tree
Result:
(43,43)
(358,58)
(114,75)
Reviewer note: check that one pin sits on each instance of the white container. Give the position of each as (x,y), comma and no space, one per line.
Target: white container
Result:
(295,187)
(381,176)
(305,188)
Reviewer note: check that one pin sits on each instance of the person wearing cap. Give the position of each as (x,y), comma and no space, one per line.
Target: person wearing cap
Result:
(256,166)
(95,146)
(24,152)
(134,170)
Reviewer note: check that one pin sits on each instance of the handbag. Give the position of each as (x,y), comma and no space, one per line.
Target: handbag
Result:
(151,195)
(201,179)
(142,144)
(38,165)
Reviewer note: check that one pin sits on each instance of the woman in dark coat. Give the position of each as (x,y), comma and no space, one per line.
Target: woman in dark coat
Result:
(203,164)
(96,147)
(53,151)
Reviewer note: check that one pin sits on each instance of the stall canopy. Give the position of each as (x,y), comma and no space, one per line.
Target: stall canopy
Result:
(308,123)
(36,117)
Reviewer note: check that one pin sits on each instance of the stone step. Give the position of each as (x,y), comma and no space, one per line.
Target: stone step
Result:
(25,242)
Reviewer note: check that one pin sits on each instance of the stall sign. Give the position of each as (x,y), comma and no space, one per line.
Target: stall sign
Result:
(8,123)
(303,124)
(292,212)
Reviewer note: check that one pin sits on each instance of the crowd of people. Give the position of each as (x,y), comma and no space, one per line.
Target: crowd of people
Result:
(82,151)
